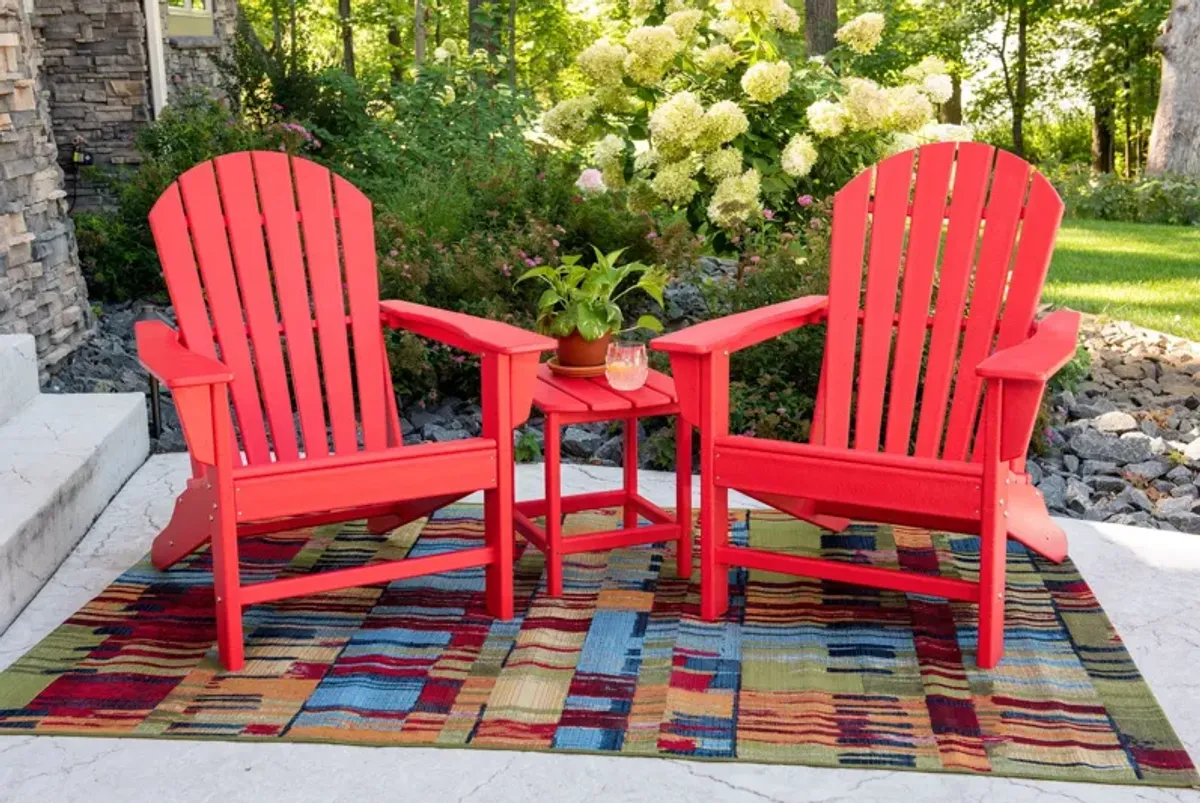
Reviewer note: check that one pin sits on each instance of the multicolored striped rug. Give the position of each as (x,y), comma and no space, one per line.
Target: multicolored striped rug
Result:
(802,671)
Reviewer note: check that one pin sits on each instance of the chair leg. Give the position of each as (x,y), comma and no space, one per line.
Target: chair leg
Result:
(629,463)
(992,565)
(227,580)
(683,497)
(993,535)
(714,534)
(554,516)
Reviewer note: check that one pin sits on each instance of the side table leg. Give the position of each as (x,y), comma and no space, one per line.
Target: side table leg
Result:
(553,437)
(629,461)
(683,496)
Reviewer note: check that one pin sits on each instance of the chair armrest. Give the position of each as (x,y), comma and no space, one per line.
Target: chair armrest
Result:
(1040,356)
(172,363)
(743,329)
(466,332)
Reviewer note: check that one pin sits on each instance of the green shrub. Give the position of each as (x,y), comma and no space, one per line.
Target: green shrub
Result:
(1147,199)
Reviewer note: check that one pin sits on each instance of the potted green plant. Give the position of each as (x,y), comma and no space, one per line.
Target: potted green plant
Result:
(580,306)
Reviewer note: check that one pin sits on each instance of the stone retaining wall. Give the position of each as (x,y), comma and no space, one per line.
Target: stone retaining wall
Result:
(42,291)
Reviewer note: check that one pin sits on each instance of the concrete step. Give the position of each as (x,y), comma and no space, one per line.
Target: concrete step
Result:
(62,458)
(18,374)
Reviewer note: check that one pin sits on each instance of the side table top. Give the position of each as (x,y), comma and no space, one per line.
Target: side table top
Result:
(560,394)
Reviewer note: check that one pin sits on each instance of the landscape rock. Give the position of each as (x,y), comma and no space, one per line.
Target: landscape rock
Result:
(1115,422)
(580,442)
(1098,446)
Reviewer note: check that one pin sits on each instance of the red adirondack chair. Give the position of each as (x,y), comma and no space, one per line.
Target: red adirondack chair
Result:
(956,469)
(269,258)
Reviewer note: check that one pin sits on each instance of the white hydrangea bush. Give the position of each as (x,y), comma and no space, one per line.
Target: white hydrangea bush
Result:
(708,107)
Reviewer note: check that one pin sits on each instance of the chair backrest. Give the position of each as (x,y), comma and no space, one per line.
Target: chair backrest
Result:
(937,297)
(270,263)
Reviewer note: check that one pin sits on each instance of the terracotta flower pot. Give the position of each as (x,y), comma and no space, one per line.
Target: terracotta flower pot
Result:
(575,352)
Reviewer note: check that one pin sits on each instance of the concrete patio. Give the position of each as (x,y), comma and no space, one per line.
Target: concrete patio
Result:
(1148,582)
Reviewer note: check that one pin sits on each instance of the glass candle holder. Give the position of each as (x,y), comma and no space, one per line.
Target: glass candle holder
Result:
(626,365)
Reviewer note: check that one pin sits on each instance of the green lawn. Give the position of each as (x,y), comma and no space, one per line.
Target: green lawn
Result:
(1149,275)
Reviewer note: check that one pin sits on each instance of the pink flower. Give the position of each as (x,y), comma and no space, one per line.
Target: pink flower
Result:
(541,176)
(769,214)
(591,181)
(531,263)
(804,200)
(652,235)
(459,358)
(393,253)
(754,260)
(555,243)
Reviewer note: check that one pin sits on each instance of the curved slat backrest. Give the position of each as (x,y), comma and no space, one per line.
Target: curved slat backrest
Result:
(270,263)
(937,294)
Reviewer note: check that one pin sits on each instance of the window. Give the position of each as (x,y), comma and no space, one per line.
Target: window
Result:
(189,18)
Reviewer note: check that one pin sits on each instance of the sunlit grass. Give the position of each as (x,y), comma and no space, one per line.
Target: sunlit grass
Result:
(1149,275)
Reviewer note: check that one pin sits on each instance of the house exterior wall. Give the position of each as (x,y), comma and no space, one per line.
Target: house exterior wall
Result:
(42,291)
(95,64)
(191,61)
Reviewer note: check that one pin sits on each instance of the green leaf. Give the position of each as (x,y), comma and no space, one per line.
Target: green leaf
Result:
(590,325)
(549,299)
(649,322)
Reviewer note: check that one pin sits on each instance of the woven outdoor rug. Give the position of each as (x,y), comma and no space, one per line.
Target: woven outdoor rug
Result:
(801,672)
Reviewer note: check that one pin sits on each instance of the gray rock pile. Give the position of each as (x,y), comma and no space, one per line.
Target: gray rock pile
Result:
(1124,445)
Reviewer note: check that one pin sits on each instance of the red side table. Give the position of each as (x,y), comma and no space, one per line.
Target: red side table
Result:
(579,401)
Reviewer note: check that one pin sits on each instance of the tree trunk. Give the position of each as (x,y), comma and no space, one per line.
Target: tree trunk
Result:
(1128,133)
(347,37)
(1022,91)
(1102,135)
(419,32)
(293,57)
(481,27)
(820,24)
(512,43)
(395,51)
(1175,138)
(952,109)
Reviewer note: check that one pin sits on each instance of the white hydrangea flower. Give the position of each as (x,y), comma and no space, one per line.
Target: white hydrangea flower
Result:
(758,9)
(900,142)
(767,81)
(641,8)
(569,119)
(677,5)
(684,22)
(644,156)
(718,58)
(866,104)
(908,108)
(651,51)
(724,121)
(723,163)
(615,98)
(591,181)
(799,156)
(728,28)
(827,119)
(676,124)
(609,151)
(736,200)
(862,34)
(939,88)
(603,62)
(945,132)
(930,65)
(784,17)
(674,183)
